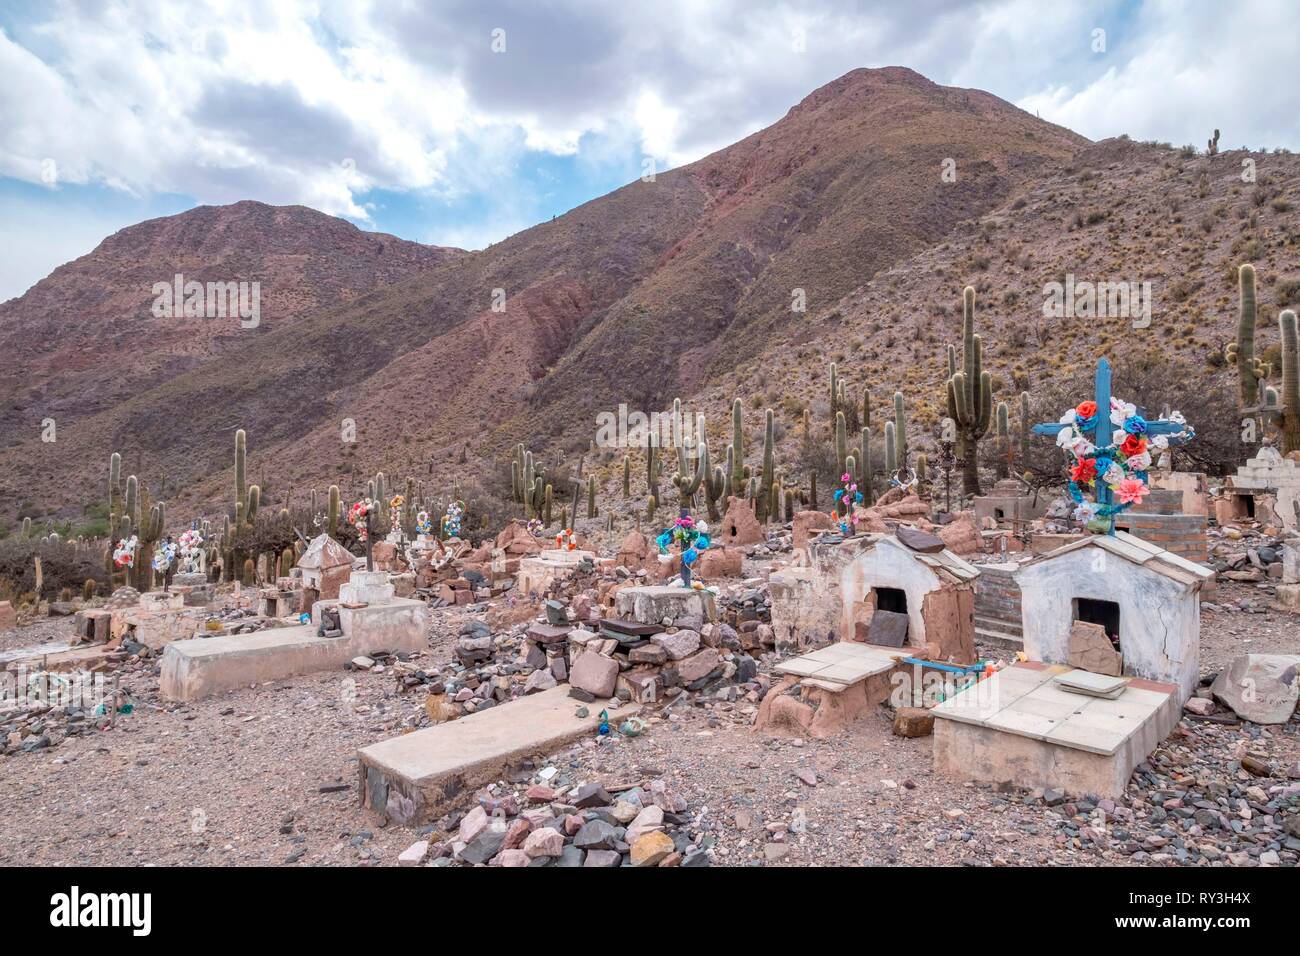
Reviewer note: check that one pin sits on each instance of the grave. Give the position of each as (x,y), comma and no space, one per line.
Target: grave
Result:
(1265,489)
(873,588)
(1145,596)
(325,567)
(1159,520)
(1021,727)
(1194,486)
(370,617)
(1287,596)
(650,604)
(1007,504)
(417,777)
(536,574)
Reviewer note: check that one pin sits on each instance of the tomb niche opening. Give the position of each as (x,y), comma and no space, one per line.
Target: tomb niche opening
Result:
(1105,613)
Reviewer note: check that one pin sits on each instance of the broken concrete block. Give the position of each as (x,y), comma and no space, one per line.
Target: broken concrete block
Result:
(888,629)
(1260,688)
(1090,649)
(679,644)
(913,722)
(594,673)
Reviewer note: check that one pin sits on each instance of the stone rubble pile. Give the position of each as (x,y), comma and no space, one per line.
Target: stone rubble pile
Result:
(548,818)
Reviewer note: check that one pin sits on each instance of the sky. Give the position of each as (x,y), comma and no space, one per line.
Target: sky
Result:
(461,122)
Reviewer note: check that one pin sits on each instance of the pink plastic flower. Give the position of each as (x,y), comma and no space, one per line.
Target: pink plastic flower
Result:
(1131,491)
(845,477)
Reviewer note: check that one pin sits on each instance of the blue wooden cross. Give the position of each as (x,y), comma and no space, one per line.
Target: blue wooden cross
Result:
(1102,429)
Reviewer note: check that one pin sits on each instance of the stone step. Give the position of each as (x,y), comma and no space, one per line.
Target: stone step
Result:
(999,624)
(992,638)
(420,776)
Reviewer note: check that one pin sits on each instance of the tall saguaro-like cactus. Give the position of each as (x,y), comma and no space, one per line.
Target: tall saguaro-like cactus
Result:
(1241,353)
(970,395)
(1289,416)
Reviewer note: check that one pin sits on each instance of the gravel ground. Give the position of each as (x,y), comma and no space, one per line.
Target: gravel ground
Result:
(237,779)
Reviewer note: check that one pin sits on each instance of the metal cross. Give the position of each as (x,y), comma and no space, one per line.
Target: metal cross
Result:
(1101,431)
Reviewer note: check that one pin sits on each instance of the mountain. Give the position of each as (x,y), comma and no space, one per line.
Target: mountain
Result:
(875,200)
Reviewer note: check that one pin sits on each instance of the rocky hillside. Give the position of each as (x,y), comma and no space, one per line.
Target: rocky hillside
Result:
(678,287)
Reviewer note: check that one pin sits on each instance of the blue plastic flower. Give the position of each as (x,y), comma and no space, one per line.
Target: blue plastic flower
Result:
(839,493)
(1135,425)
(858,497)
(702,542)
(689,556)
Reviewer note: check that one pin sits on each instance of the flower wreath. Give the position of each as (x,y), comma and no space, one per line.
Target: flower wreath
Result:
(1120,466)
(357,515)
(451,520)
(422,523)
(535,527)
(124,553)
(395,511)
(565,540)
(189,543)
(692,535)
(849,496)
(163,555)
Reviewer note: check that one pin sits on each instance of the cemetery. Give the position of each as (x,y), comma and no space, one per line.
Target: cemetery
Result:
(495,689)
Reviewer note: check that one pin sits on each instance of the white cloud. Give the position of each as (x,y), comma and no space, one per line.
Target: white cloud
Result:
(320,101)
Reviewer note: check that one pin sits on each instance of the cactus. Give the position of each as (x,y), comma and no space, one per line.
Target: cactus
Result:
(865,478)
(841,442)
(1241,353)
(922,469)
(736,472)
(970,395)
(627,477)
(241,462)
(114,486)
(547,499)
(332,520)
(891,450)
(591,497)
(27,527)
(1024,430)
(1003,440)
(1212,145)
(249,573)
(769,462)
(1289,417)
(812,493)
(900,431)
(88,589)
(835,394)
(650,505)
(652,469)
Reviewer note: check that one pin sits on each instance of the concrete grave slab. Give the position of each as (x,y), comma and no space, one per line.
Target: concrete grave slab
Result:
(419,776)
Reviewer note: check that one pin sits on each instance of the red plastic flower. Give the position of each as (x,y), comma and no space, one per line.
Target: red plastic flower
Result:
(1133,445)
(1084,471)
(1131,491)
(1086,409)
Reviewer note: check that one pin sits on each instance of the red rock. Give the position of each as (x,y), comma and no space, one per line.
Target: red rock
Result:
(540,793)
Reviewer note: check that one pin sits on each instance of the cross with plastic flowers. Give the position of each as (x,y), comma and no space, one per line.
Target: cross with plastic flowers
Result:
(1111,447)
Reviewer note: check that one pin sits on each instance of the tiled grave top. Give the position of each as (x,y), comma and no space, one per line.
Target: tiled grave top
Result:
(841,665)
(1023,699)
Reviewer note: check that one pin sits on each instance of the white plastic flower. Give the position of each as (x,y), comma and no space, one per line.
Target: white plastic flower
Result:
(1160,441)
(1085,510)
(1068,418)
(1081,447)
(1118,436)
(1065,438)
(1114,474)
(1140,462)
(702,527)
(1120,410)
